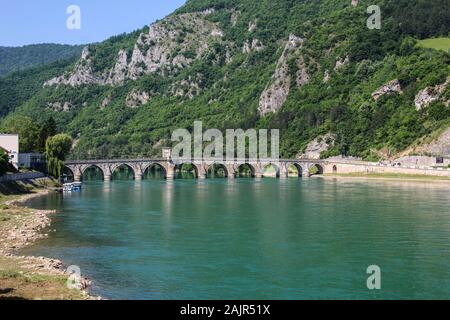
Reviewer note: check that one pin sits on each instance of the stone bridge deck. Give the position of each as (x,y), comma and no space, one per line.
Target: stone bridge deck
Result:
(201,166)
(231,168)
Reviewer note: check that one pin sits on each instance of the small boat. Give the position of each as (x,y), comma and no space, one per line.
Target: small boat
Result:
(72,187)
(76,186)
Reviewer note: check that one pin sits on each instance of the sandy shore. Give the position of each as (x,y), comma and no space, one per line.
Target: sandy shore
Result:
(22,228)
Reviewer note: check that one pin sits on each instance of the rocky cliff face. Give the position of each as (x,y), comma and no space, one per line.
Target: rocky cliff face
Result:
(276,93)
(81,75)
(430,94)
(392,87)
(136,99)
(255,45)
(317,146)
(169,46)
(439,146)
(60,106)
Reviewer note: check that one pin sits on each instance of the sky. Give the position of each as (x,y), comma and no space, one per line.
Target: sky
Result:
(25,22)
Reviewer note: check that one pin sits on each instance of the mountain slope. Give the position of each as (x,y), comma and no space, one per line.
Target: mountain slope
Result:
(310,68)
(21,58)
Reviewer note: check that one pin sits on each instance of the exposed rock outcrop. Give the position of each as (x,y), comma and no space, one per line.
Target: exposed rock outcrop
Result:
(430,94)
(119,73)
(235,17)
(317,146)
(169,45)
(326,76)
(302,76)
(439,146)
(81,75)
(340,63)
(392,87)
(252,25)
(187,88)
(165,45)
(276,93)
(256,45)
(60,106)
(106,102)
(137,98)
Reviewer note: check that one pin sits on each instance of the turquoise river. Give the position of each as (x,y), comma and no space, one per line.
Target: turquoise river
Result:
(310,238)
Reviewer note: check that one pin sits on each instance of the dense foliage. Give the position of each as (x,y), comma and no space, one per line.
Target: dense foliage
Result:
(21,58)
(56,150)
(4,160)
(32,135)
(18,87)
(228,93)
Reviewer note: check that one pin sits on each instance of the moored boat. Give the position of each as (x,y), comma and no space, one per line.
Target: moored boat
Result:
(72,187)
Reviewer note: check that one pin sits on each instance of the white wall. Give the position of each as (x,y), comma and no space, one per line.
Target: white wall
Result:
(10,142)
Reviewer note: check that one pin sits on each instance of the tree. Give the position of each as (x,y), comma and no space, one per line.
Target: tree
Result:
(48,129)
(26,128)
(4,160)
(56,149)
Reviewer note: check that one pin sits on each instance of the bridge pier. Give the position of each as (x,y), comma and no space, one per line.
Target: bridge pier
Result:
(138,176)
(107,178)
(77,178)
(170,173)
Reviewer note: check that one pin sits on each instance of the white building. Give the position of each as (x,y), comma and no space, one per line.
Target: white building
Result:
(10,143)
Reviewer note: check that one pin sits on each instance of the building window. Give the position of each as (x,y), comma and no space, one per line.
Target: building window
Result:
(439,160)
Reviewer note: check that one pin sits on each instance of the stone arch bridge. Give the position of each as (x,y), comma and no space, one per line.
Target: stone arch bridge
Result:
(201,167)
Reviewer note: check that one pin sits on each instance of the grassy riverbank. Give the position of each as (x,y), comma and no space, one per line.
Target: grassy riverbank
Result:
(28,278)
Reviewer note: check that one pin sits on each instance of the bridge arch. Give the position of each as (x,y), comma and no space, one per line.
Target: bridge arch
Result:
(316,169)
(245,170)
(123,171)
(91,172)
(216,170)
(155,170)
(270,170)
(295,169)
(186,170)
(68,174)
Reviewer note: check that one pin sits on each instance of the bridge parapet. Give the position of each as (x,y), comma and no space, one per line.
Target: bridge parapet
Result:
(139,166)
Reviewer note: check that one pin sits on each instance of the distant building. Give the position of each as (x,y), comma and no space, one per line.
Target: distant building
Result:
(10,143)
(35,161)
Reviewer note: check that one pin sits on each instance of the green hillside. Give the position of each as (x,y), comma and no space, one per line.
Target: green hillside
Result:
(21,58)
(436,43)
(223,62)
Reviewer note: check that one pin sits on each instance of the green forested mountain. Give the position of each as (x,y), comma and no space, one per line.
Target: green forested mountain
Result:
(310,68)
(21,58)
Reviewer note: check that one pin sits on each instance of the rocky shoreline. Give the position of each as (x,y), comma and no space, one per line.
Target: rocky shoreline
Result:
(26,230)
